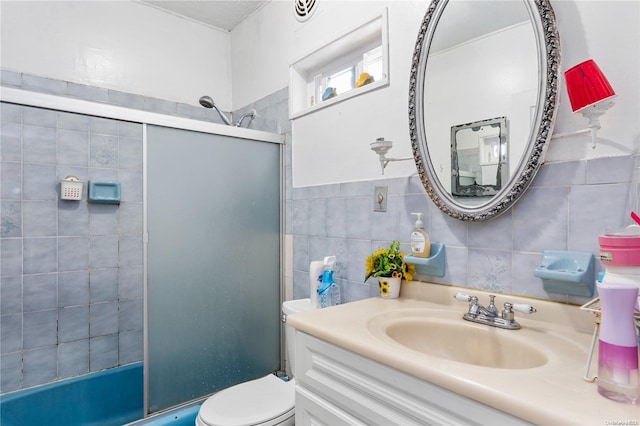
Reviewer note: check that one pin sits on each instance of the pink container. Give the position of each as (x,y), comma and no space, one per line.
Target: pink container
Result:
(619,250)
(618,344)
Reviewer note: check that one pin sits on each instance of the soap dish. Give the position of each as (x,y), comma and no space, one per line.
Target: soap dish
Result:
(567,272)
(104,192)
(433,265)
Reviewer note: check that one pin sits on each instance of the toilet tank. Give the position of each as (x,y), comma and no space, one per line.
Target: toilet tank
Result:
(292,307)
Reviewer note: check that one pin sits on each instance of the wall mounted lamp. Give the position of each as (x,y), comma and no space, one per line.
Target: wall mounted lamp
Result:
(381,147)
(590,94)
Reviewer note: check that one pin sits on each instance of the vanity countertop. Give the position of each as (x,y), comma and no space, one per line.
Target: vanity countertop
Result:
(554,393)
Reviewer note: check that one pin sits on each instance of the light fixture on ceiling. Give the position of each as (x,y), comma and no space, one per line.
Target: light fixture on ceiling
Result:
(381,147)
(590,94)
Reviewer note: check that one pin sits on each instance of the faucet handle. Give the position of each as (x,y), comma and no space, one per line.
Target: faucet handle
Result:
(523,308)
(492,306)
(461,297)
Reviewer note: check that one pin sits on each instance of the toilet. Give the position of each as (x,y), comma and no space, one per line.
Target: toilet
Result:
(266,401)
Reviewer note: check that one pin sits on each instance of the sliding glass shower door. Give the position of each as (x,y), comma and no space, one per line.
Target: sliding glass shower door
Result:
(213,263)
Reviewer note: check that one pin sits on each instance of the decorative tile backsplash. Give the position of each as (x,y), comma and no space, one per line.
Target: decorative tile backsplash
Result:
(568,205)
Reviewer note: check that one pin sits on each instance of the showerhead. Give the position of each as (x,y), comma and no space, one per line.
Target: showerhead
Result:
(207,102)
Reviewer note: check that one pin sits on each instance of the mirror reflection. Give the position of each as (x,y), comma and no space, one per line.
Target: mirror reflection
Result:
(475,60)
(484,66)
(479,163)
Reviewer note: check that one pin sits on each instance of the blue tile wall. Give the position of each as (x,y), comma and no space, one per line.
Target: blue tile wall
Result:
(568,205)
(71,272)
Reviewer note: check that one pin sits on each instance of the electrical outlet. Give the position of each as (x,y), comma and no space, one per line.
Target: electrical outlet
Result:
(380,199)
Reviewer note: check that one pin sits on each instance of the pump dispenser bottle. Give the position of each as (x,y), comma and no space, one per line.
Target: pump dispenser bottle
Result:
(420,244)
(618,345)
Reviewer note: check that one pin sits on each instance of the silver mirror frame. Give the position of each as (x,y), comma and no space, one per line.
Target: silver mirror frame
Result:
(548,42)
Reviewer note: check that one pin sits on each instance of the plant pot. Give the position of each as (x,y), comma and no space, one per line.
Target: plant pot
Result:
(389,287)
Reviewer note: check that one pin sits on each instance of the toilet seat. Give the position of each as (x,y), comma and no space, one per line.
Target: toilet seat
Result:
(265,401)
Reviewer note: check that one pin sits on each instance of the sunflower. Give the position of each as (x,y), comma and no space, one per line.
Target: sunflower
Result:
(388,263)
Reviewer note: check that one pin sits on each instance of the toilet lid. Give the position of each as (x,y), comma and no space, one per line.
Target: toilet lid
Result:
(249,403)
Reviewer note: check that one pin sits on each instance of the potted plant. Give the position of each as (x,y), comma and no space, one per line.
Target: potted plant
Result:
(389,267)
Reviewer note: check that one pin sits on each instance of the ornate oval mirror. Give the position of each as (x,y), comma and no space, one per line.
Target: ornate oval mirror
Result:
(483,94)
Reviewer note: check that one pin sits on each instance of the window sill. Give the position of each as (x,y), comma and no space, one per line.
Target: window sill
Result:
(350,94)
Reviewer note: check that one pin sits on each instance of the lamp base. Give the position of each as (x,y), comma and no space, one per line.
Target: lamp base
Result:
(381,146)
(595,111)
(593,114)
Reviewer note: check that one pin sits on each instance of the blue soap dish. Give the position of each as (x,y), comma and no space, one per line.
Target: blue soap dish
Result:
(104,192)
(567,272)
(433,265)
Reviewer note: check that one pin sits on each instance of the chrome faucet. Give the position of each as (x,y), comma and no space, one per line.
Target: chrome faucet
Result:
(490,315)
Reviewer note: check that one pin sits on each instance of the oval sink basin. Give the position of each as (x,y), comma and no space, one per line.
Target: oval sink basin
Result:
(458,340)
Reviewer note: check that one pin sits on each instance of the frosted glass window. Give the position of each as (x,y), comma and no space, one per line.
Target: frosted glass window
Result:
(343,81)
(372,63)
(213,300)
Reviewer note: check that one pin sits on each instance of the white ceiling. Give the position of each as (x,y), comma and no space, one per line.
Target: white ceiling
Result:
(222,14)
(471,18)
(465,20)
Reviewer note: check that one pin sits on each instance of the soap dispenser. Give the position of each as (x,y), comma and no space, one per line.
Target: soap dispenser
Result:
(328,290)
(420,244)
(618,345)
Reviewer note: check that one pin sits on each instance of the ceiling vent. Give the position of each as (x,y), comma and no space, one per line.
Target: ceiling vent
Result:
(304,9)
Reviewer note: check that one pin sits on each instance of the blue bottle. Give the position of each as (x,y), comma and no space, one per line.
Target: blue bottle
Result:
(327,283)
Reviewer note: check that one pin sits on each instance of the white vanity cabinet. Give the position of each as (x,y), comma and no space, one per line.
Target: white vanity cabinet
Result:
(337,387)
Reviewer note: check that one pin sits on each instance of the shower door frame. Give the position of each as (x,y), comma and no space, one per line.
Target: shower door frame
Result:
(149,387)
(80,106)
(216,129)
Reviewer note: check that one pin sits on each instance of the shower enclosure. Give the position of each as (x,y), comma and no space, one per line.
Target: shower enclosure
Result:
(210,229)
(213,263)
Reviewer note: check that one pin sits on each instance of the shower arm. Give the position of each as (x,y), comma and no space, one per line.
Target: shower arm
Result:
(251,114)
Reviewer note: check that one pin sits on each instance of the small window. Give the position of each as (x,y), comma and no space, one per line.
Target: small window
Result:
(372,63)
(344,80)
(336,71)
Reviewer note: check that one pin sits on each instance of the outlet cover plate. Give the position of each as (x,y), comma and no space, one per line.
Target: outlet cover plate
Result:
(380,199)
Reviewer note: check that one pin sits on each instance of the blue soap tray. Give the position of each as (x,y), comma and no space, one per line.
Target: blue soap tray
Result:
(433,265)
(567,272)
(104,192)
